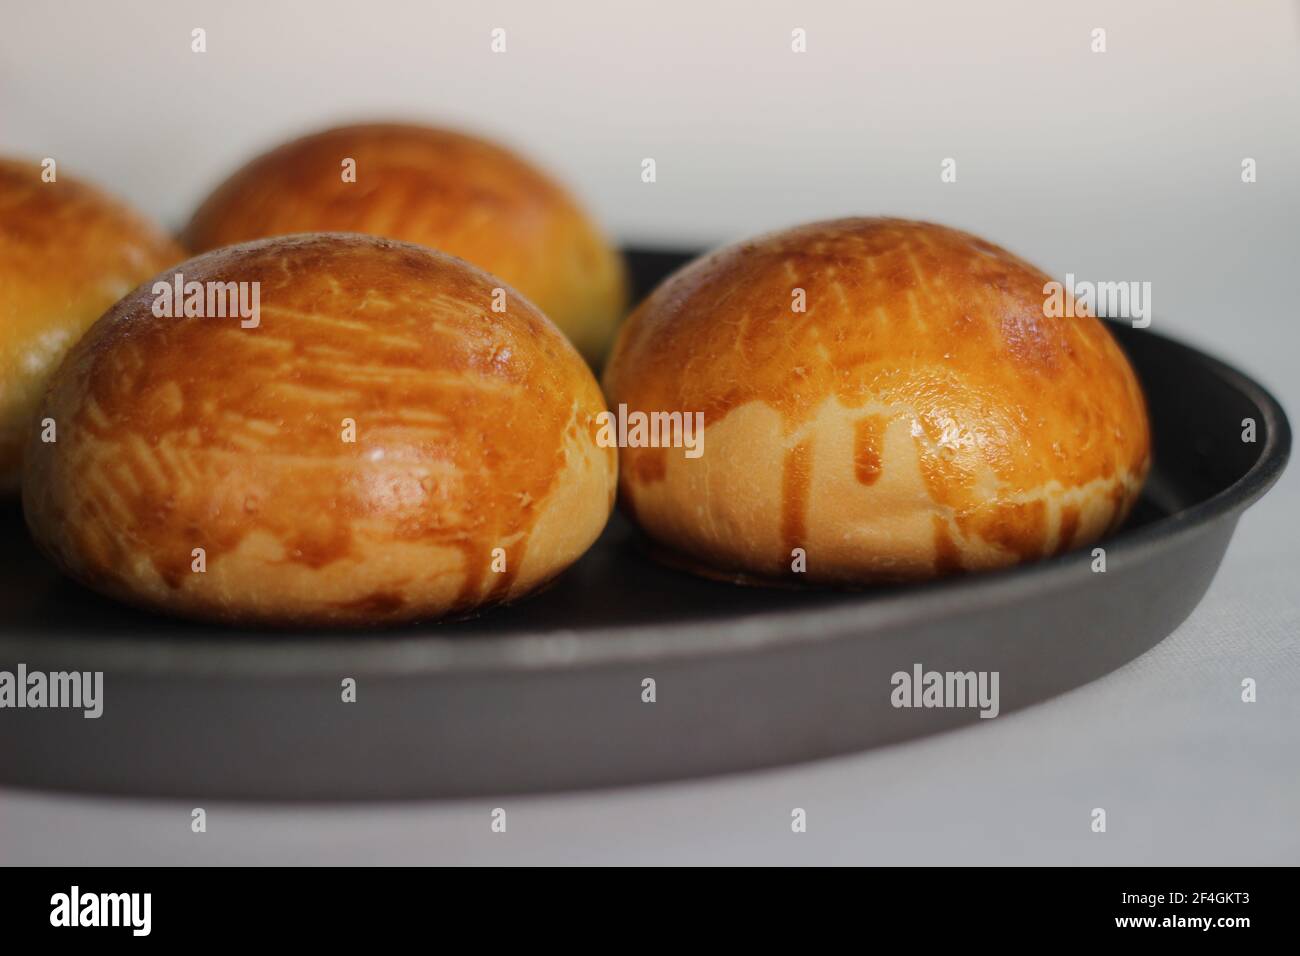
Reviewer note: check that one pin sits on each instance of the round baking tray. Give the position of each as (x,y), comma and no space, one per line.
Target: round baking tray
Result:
(549,693)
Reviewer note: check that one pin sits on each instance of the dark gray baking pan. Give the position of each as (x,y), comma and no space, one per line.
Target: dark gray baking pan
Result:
(548,694)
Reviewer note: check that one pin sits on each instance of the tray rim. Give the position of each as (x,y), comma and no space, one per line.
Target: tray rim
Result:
(406,653)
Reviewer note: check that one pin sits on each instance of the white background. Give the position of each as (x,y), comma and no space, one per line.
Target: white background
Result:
(1116,166)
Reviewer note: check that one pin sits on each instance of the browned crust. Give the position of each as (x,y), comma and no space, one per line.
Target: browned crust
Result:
(459,194)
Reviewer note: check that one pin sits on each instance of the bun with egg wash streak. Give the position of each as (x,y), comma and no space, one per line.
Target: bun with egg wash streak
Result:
(67,252)
(918,416)
(376,446)
(458,194)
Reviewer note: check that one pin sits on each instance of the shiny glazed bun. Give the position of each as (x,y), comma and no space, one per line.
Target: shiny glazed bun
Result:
(372,444)
(921,417)
(67,252)
(451,192)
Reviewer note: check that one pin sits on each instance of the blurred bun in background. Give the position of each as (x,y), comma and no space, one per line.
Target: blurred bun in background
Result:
(67,252)
(455,193)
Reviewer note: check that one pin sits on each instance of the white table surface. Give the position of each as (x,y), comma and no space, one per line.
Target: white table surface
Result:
(1114,169)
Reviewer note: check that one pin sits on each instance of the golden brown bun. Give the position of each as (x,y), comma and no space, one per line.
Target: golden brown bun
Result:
(67,252)
(460,195)
(473,432)
(921,417)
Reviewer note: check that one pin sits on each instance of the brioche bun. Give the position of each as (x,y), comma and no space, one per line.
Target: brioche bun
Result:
(461,195)
(471,474)
(921,417)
